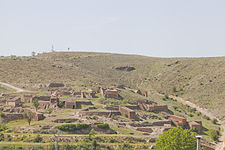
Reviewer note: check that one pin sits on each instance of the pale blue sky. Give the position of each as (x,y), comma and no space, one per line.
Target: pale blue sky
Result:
(163,28)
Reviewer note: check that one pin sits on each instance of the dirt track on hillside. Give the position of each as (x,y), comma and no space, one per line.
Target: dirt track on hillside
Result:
(18,90)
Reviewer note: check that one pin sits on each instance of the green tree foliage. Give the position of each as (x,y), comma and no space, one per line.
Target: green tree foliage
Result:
(36,104)
(1,137)
(92,134)
(177,138)
(2,127)
(73,127)
(104,126)
(28,116)
(60,104)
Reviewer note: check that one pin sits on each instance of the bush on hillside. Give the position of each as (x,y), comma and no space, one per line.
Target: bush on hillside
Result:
(2,127)
(103,126)
(214,134)
(214,121)
(37,139)
(73,127)
(60,104)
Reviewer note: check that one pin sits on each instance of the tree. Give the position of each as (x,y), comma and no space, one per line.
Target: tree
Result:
(177,138)
(28,116)
(36,104)
(92,134)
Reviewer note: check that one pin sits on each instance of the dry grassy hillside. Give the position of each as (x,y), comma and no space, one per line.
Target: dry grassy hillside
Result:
(200,80)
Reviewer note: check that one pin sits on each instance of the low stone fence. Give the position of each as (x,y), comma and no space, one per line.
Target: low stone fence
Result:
(98,113)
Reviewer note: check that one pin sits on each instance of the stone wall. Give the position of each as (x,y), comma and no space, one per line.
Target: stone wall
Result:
(70,105)
(149,130)
(150,108)
(38,116)
(42,98)
(149,124)
(13,116)
(133,107)
(98,113)
(113,107)
(84,103)
(28,98)
(111,94)
(44,105)
(161,123)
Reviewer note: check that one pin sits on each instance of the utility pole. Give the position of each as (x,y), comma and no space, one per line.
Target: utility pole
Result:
(53,48)
(56,142)
(198,142)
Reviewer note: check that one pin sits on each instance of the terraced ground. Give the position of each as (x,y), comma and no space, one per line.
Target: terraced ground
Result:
(199,80)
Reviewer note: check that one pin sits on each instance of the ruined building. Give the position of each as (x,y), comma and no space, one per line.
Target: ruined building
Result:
(127,112)
(14,102)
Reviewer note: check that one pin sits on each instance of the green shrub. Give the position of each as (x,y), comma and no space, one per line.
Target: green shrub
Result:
(1,137)
(73,127)
(198,113)
(190,115)
(174,89)
(68,121)
(214,121)
(2,127)
(214,134)
(194,129)
(103,126)
(206,117)
(37,139)
(60,104)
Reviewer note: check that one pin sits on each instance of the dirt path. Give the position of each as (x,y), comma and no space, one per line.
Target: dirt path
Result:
(18,90)
(219,146)
(202,110)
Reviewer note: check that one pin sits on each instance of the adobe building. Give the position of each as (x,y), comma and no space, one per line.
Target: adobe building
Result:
(178,121)
(102,91)
(14,102)
(38,116)
(70,105)
(54,99)
(28,98)
(196,124)
(127,112)
(109,93)
(44,104)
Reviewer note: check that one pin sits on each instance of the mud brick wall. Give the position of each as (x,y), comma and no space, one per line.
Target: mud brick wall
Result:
(127,112)
(149,130)
(14,116)
(98,113)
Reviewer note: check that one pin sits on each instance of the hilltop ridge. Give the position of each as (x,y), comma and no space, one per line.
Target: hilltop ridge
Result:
(199,80)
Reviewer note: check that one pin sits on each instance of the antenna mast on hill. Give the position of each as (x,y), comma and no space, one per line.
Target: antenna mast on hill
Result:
(53,48)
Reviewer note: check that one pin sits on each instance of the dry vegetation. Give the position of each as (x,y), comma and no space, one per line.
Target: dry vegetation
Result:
(200,80)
